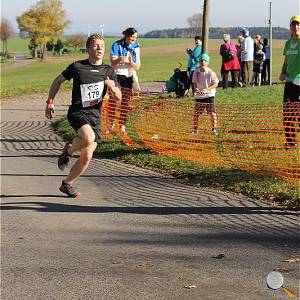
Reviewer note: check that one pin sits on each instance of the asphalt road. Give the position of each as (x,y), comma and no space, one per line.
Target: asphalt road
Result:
(134,234)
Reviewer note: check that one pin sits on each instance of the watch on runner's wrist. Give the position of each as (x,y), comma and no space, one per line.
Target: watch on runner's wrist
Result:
(49,101)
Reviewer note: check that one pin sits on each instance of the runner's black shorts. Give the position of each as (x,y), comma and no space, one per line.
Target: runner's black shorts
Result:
(78,118)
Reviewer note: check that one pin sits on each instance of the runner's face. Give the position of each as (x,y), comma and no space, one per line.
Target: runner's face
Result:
(295,29)
(96,49)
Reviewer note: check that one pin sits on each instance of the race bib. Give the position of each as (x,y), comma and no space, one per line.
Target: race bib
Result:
(91,93)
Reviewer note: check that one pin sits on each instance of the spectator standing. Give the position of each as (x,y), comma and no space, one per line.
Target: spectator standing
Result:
(125,60)
(239,54)
(259,58)
(247,53)
(194,58)
(266,67)
(230,62)
(290,72)
(257,43)
(205,82)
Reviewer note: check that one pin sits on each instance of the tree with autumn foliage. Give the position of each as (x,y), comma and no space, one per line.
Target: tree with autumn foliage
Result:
(44,22)
(6,31)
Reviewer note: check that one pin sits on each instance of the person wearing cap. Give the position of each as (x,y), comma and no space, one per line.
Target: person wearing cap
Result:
(205,82)
(247,52)
(230,62)
(290,73)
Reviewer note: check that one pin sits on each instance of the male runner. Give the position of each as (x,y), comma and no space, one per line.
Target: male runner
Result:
(91,79)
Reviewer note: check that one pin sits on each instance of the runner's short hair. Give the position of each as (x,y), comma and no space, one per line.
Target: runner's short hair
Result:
(92,37)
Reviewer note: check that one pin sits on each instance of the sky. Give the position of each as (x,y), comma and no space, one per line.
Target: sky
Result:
(113,16)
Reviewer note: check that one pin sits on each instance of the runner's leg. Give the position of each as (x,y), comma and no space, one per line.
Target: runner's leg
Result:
(85,142)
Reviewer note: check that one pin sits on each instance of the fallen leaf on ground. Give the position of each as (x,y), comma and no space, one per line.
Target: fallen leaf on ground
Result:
(190,286)
(292,260)
(289,292)
(282,270)
(219,256)
(147,264)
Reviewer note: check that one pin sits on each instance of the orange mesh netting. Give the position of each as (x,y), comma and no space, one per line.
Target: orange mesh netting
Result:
(258,138)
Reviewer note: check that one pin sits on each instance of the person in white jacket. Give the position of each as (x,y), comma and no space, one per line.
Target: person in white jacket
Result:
(247,52)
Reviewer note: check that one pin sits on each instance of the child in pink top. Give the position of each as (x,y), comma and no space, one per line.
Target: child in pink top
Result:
(205,82)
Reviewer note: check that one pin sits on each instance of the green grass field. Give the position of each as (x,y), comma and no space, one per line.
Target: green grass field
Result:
(159,58)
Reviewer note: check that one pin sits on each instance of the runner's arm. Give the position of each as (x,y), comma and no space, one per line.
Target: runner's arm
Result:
(52,93)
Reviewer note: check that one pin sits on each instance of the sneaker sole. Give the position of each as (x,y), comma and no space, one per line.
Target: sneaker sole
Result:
(62,167)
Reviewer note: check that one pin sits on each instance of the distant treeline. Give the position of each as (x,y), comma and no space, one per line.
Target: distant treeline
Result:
(217,32)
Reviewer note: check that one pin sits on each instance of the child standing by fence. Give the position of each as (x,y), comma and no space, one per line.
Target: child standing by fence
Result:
(259,58)
(205,82)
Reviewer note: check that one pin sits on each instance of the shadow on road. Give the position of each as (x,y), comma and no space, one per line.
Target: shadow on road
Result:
(148,210)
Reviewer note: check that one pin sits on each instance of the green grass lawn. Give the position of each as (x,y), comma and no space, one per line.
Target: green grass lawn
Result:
(159,58)
(17,45)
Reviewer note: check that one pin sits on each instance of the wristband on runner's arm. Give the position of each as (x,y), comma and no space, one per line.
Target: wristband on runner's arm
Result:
(50,101)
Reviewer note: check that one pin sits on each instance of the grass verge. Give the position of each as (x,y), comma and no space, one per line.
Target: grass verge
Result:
(262,187)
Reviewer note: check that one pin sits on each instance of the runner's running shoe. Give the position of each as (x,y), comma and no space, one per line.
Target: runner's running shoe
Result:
(64,158)
(67,189)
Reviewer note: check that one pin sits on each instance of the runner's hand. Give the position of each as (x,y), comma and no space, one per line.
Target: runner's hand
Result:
(49,111)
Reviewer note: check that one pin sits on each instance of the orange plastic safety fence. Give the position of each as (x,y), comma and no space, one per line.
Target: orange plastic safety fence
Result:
(259,138)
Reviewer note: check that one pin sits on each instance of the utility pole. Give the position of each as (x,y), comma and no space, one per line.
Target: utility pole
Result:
(270,39)
(205,26)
